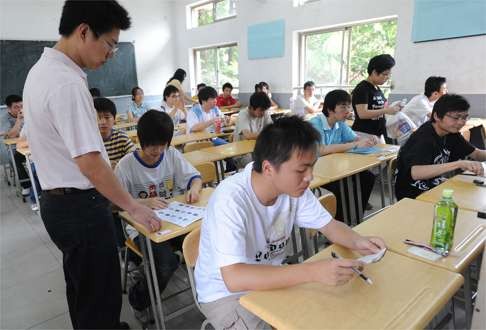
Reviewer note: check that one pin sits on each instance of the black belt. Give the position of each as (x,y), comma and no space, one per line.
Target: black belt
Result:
(68,191)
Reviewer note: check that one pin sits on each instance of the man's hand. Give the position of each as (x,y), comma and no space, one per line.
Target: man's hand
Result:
(145,216)
(472,166)
(193,195)
(334,271)
(369,245)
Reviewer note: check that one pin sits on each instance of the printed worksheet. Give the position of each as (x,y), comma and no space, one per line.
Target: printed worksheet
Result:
(180,214)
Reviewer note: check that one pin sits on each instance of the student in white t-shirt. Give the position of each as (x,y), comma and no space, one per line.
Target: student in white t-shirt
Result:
(307,103)
(248,223)
(420,106)
(170,104)
(151,173)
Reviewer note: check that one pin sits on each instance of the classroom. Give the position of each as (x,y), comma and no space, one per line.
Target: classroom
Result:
(242,164)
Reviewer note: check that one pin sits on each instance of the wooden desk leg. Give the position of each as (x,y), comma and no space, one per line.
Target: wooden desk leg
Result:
(352,201)
(359,197)
(468,304)
(343,202)
(382,186)
(145,247)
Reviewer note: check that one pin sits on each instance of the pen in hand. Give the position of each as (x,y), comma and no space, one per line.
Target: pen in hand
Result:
(359,273)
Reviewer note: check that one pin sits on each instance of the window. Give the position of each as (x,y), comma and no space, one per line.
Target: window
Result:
(339,58)
(217,65)
(212,11)
(298,3)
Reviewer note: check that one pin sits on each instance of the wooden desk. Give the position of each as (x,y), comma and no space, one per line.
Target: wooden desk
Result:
(192,137)
(318,181)
(405,294)
(11,142)
(233,149)
(466,194)
(199,157)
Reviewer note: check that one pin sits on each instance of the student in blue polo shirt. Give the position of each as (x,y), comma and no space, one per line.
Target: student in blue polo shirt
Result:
(337,136)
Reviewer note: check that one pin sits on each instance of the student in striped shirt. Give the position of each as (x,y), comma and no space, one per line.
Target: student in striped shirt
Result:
(117,142)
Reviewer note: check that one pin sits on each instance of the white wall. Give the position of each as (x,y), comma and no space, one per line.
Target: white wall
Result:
(152,27)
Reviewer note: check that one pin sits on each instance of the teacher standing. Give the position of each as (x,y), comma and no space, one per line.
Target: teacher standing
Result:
(72,164)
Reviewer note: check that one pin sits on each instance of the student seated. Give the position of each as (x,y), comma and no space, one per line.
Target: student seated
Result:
(136,108)
(307,103)
(225,101)
(264,87)
(15,118)
(251,121)
(117,143)
(170,105)
(149,174)
(436,148)
(336,136)
(200,86)
(248,224)
(420,106)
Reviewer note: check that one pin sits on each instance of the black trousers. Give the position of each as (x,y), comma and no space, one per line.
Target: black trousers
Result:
(23,175)
(81,226)
(367,180)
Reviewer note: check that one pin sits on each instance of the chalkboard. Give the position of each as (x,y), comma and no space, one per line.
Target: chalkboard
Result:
(116,77)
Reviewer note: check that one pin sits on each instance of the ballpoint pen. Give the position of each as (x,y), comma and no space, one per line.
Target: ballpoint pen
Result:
(359,273)
(425,246)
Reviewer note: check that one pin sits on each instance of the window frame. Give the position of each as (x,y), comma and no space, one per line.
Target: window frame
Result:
(196,5)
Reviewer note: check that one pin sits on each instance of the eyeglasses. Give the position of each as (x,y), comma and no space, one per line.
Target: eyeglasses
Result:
(112,48)
(464,117)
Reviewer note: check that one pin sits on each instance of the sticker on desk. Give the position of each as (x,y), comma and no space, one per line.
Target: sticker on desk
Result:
(424,253)
(180,214)
(371,258)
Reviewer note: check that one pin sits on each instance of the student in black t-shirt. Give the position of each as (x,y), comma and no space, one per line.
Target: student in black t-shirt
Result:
(436,148)
(369,102)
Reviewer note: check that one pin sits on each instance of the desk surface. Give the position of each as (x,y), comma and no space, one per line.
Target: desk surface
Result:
(337,166)
(125,125)
(233,149)
(10,142)
(405,294)
(199,157)
(318,181)
(466,194)
(413,219)
(169,230)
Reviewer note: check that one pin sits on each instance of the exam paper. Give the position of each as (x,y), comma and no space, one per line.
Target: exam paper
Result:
(371,258)
(180,214)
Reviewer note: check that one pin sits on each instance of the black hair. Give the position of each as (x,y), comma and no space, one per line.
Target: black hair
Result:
(264,84)
(13,98)
(227,85)
(260,100)
(169,89)
(380,63)
(103,105)
(309,84)
(101,16)
(258,88)
(206,93)
(134,92)
(334,98)
(201,85)
(155,128)
(179,74)
(279,140)
(433,84)
(449,103)
(95,92)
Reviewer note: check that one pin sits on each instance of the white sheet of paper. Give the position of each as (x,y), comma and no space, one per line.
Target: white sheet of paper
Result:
(180,214)
(423,253)
(484,171)
(371,258)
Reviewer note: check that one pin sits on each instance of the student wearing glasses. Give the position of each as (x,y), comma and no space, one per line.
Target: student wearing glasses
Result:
(436,148)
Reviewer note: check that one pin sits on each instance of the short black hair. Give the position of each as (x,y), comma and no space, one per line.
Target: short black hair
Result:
(433,84)
(169,89)
(260,100)
(258,87)
(206,93)
(13,98)
(264,84)
(201,85)
(227,85)
(155,128)
(449,103)
(95,92)
(101,16)
(309,83)
(134,92)
(334,98)
(279,140)
(381,63)
(179,74)
(103,105)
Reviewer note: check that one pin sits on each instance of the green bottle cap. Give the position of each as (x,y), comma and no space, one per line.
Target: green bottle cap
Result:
(447,193)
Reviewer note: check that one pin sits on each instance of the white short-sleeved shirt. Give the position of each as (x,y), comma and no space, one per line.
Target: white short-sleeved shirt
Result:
(301,103)
(179,116)
(418,108)
(145,181)
(237,228)
(252,124)
(197,115)
(62,121)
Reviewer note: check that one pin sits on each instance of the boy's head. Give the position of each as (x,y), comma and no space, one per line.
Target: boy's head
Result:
(155,130)
(227,88)
(93,28)
(106,110)
(137,94)
(450,112)
(435,87)
(259,103)
(95,92)
(379,68)
(171,95)
(264,87)
(14,104)
(285,153)
(207,97)
(258,88)
(200,86)
(337,103)
(309,88)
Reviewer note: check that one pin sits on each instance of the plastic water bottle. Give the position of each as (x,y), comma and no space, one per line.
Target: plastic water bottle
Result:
(445,215)
(217,125)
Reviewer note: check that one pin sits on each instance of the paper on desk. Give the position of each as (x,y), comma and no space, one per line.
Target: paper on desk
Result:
(423,253)
(484,171)
(365,150)
(180,214)
(371,258)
